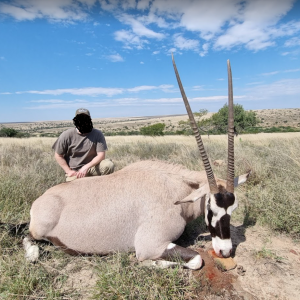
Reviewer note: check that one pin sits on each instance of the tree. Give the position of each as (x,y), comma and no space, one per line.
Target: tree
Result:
(152,130)
(242,119)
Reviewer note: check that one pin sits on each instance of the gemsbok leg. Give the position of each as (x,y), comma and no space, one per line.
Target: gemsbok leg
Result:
(155,243)
(191,258)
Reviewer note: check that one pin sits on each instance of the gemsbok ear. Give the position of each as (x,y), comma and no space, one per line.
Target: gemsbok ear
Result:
(241,179)
(195,195)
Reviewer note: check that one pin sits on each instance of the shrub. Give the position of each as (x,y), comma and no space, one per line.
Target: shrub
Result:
(10,132)
(153,130)
(242,119)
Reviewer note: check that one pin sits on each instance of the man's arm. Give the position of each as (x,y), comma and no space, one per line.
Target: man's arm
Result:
(96,160)
(62,162)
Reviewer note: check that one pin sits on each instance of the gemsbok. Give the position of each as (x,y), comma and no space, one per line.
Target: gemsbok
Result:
(143,208)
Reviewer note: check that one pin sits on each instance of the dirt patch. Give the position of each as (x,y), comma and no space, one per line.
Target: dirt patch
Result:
(212,279)
(268,267)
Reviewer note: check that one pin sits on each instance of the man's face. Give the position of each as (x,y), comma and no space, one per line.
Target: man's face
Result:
(83,123)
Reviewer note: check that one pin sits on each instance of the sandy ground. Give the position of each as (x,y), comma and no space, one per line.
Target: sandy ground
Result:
(268,266)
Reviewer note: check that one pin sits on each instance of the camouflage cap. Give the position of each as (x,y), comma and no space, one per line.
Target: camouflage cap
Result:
(82,111)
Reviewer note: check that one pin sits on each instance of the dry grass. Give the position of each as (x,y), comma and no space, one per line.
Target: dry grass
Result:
(27,169)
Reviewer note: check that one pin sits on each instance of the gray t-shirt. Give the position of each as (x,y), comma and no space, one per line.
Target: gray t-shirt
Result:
(79,149)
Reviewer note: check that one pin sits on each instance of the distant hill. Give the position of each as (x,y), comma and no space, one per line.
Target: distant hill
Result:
(268,117)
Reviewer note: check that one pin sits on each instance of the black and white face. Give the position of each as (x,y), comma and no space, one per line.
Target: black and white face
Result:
(218,209)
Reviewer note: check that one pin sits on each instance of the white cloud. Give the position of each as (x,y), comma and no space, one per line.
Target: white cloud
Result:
(291,71)
(270,73)
(277,72)
(138,28)
(142,88)
(204,49)
(129,39)
(256,26)
(185,44)
(155,52)
(230,23)
(172,50)
(277,89)
(292,42)
(54,10)
(223,24)
(195,99)
(163,87)
(58,101)
(255,83)
(18,13)
(200,16)
(138,34)
(115,57)
(95,91)
(54,104)
(90,91)
(142,63)
(143,4)
(198,88)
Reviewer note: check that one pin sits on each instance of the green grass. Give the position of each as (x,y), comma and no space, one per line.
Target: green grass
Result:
(121,278)
(267,254)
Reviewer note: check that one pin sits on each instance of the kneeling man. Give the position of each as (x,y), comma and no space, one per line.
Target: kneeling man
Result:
(80,151)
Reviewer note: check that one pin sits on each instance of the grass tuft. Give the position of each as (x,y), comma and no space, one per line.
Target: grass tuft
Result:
(121,278)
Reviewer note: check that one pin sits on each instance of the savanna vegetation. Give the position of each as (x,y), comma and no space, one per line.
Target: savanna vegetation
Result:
(11,132)
(27,169)
(260,121)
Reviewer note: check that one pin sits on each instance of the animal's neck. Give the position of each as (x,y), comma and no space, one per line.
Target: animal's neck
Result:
(195,209)
(199,207)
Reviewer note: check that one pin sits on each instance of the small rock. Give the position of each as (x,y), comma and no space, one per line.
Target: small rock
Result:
(293,251)
(226,263)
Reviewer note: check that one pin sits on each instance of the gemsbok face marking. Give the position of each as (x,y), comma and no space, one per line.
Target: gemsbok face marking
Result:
(217,217)
(143,207)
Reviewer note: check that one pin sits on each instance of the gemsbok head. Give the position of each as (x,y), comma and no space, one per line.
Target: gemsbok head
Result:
(220,201)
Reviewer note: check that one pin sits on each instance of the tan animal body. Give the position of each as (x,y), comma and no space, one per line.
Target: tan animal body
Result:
(143,207)
(93,216)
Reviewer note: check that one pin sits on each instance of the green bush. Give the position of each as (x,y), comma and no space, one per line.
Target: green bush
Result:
(242,119)
(10,132)
(153,130)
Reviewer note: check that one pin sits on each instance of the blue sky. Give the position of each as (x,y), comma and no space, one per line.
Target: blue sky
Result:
(114,57)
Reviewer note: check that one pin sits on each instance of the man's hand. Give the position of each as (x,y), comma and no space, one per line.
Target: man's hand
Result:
(82,172)
(71,173)
(62,162)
